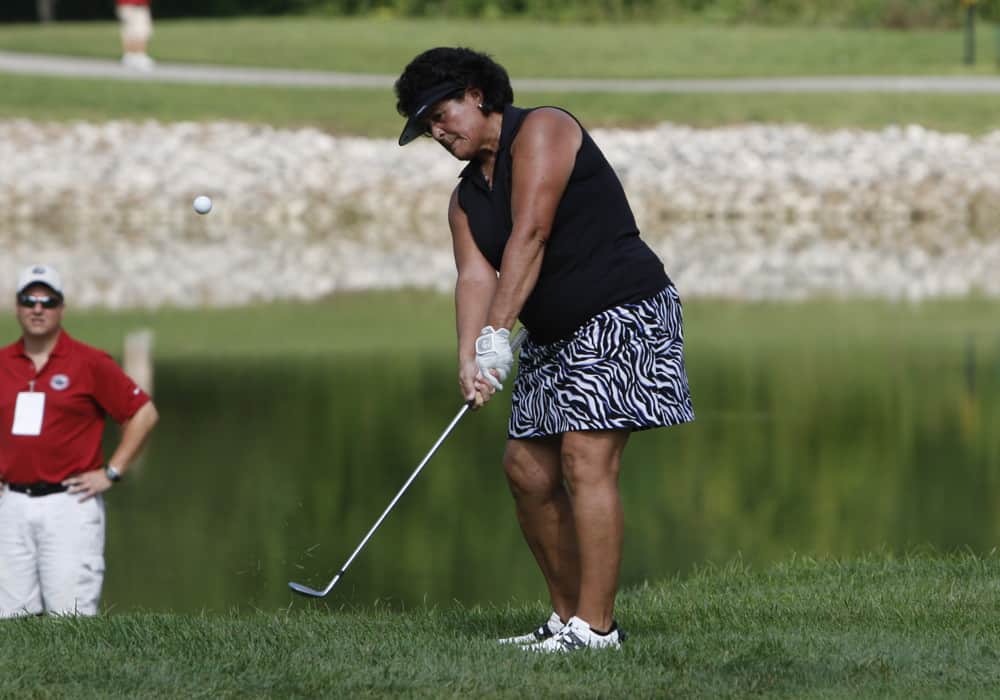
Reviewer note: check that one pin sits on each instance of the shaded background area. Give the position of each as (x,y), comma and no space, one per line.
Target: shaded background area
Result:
(831,430)
(897,14)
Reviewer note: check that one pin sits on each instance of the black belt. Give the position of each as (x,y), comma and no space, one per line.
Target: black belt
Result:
(39,488)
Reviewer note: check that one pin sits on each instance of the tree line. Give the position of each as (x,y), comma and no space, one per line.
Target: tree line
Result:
(893,14)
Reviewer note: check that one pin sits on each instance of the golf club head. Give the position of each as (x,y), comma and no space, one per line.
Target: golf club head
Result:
(306,590)
(312,592)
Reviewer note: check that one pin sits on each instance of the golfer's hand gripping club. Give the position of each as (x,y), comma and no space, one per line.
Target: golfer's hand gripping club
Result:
(494,355)
(315,593)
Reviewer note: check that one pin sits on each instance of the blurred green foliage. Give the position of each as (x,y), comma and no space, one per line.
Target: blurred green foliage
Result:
(824,428)
(895,14)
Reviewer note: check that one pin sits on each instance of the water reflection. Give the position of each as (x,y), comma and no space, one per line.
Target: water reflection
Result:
(856,437)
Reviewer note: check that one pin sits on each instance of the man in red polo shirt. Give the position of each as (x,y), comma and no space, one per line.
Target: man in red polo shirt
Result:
(55,393)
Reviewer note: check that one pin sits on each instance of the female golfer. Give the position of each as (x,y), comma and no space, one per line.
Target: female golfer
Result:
(542,232)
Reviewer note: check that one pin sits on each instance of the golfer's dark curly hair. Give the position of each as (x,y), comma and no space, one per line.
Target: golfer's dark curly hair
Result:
(460,65)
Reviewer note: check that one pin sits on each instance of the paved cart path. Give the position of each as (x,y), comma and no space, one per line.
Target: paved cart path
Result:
(64,66)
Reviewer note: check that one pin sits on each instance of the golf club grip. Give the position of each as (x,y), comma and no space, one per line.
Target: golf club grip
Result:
(519,338)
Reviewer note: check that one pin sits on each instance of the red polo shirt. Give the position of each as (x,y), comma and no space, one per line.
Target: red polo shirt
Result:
(82,385)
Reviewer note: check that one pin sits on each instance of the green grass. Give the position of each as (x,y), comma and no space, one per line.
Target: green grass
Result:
(422,320)
(528,49)
(347,322)
(372,113)
(922,626)
(349,112)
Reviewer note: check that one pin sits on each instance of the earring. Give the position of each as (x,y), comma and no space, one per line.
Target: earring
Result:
(480,105)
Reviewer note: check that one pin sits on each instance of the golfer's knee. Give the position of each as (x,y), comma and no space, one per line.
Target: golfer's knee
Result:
(527,480)
(582,469)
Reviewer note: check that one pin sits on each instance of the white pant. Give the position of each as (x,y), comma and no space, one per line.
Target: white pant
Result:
(136,22)
(51,554)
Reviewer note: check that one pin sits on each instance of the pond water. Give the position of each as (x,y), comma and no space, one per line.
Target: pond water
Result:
(824,430)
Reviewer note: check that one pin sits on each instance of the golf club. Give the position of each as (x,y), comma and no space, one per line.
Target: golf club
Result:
(306,590)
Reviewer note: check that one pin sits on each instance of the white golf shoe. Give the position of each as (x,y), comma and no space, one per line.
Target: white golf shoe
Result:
(138,61)
(546,630)
(576,635)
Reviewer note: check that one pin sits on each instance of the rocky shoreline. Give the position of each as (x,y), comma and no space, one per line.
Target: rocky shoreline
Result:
(749,212)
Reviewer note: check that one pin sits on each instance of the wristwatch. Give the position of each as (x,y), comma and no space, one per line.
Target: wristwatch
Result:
(113,474)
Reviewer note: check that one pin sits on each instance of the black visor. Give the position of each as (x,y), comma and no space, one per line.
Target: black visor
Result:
(427,99)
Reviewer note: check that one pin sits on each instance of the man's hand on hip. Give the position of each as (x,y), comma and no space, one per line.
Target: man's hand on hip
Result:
(88,484)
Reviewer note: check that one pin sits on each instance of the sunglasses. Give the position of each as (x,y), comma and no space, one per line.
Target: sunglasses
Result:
(28,301)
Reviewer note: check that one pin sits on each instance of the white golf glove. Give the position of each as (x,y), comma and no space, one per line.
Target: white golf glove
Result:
(493,353)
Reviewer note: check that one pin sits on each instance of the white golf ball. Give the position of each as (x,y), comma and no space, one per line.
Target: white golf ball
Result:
(202,204)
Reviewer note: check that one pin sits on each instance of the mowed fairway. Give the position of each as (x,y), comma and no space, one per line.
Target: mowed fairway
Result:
(529,50)
(422,321)
(372,113)
(918,627)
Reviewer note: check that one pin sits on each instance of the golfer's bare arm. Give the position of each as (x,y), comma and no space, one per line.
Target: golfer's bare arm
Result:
(544,153)
(476,285)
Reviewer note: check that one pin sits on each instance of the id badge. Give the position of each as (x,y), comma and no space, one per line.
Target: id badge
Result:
(28,413)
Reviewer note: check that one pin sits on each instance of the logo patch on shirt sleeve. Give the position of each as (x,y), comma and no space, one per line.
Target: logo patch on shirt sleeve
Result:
(59,382)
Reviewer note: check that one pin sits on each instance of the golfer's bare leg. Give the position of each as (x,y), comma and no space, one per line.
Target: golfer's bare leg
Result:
(590,463)
(534,472)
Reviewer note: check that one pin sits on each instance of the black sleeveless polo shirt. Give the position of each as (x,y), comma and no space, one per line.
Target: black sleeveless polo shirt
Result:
(594,259)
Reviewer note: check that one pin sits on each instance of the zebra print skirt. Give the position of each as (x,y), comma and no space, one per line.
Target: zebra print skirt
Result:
(623,369)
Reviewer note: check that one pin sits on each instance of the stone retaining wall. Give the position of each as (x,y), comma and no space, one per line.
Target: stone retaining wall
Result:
(744,212)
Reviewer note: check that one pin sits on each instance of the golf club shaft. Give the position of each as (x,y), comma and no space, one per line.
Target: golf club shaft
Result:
(299,588)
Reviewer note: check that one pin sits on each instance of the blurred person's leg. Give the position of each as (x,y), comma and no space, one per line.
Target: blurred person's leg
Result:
(136,30)
(71,554)
(20,593)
